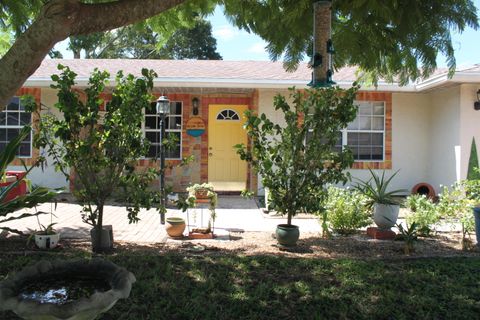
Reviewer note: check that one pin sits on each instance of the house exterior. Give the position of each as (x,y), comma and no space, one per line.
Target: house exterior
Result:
(424,129)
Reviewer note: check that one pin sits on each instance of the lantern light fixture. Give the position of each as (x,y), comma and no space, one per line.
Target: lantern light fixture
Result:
(163,105)
(195,106)
(476,104)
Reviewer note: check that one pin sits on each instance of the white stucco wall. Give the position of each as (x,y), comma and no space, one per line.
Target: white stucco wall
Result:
(469,124)
(410,136)
(444,136)
(47,177)
(410,130)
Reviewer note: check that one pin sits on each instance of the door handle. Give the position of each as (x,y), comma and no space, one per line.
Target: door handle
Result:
(210,154)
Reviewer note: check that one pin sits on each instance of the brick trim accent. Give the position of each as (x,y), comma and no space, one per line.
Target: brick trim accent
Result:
(387,162)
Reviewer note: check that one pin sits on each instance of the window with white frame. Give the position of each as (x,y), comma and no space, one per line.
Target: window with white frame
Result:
(12,120)
(365,135)
(173,131)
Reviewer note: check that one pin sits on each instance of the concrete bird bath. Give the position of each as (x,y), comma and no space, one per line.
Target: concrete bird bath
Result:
(80,289)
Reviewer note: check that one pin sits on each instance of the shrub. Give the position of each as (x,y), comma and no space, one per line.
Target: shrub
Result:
(455,204)
(423,213)
(346,210)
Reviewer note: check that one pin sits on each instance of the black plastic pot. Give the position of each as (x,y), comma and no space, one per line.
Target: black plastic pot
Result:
(476,213)
(287,235)
(107,239)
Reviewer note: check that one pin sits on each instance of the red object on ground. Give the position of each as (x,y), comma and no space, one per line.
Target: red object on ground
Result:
(424,189)
(19,190)
(379,234)
(197,235)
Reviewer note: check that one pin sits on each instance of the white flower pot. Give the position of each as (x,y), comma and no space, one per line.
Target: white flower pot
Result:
(385,215)
(49,241)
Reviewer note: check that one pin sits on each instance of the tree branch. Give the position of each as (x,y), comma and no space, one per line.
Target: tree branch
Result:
(60,19)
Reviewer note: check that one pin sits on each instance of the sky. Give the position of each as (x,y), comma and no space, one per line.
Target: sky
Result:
(235,44)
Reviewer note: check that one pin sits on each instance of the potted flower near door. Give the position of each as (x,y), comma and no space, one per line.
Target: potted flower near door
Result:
(301,160)
(199,195)
(384,203)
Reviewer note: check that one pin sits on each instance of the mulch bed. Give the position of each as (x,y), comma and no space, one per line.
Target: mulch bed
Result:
(312,245)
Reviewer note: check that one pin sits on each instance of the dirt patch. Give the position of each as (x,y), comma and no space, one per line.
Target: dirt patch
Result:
(313,245)
(357,246)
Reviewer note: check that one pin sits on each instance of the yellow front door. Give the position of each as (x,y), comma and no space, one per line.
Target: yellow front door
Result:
(225,129)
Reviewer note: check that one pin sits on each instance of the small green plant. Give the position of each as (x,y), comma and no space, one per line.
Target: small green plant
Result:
(376,189)
(409,235)
(346,210)
(423,213)
(455,205)
(247,194)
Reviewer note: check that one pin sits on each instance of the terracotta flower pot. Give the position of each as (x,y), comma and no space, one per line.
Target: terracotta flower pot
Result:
(175,227)
(201,194)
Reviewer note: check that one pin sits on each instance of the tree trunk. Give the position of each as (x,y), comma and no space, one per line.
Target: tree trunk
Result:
(60,19)
(97,246)
(322,30)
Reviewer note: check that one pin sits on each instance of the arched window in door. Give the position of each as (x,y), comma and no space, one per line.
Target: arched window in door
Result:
(228,114)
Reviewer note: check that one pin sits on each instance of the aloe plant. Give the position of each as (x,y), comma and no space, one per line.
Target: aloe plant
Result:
(30,200)
(376,187)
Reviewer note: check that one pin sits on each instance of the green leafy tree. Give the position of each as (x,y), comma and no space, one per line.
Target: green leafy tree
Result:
(101,149)
(299,161)
(141,42)
(384,38)
(472,173)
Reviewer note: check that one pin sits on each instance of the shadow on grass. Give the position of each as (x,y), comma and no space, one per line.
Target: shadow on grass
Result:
(178,286)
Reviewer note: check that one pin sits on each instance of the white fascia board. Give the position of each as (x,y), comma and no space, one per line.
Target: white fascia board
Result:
(228,83)
(458,77)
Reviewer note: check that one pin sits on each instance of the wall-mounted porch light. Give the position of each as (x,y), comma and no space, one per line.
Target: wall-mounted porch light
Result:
(476,104)
(195,105)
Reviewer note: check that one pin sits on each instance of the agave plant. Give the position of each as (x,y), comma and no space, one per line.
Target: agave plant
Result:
(409,235)
(376,189)
(30,200)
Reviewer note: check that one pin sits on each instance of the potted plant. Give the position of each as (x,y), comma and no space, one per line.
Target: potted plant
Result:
(297,161)
(175,226)
(385,206)
(201,193)
(47,237)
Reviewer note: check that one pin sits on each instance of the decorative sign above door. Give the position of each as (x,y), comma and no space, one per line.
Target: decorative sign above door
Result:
(195,127)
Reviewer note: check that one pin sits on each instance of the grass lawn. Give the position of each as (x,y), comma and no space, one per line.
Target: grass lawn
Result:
(179,286)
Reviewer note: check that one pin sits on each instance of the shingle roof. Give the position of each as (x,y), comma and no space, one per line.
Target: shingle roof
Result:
(214,71)
(182,69)
(189,69)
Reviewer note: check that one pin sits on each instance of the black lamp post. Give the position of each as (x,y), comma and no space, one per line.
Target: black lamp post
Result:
(163,108)
(476,104)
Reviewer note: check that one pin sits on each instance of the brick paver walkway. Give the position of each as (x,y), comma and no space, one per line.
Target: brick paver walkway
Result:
(234,213)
